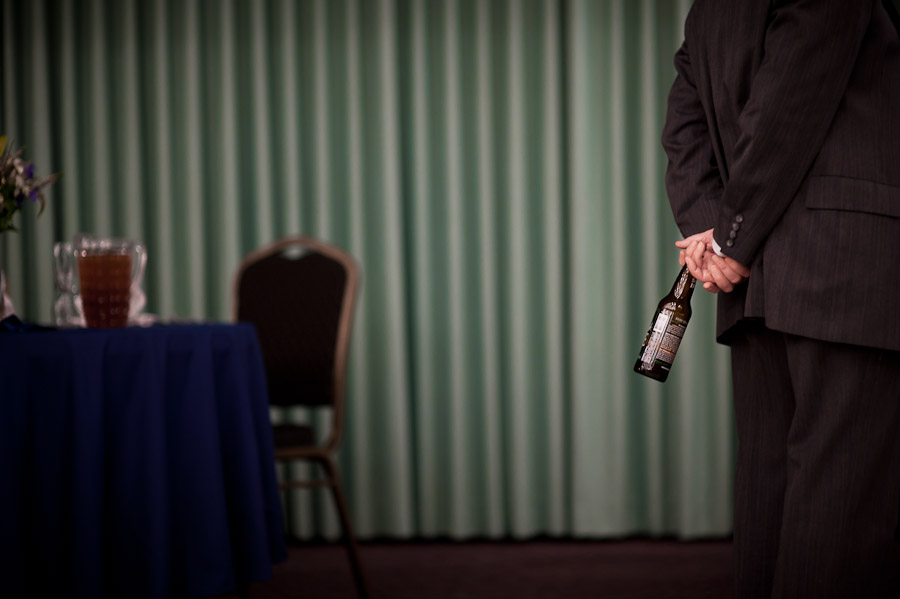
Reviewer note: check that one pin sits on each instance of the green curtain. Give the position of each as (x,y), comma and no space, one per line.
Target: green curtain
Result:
(495,168)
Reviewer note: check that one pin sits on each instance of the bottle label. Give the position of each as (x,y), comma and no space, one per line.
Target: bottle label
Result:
(666,336)
(656,337)
(668,346)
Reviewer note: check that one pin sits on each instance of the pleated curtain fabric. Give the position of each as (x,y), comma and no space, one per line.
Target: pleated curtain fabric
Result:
(495,168)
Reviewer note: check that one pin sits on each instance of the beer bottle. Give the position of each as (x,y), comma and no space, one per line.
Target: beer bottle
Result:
(667,329)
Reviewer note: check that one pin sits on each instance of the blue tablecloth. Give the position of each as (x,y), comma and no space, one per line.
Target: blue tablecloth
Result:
(135,463)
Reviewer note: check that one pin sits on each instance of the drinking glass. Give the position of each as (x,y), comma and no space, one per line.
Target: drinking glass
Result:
(65,313)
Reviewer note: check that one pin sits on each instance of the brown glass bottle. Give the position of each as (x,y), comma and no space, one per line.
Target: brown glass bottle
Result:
(667,329)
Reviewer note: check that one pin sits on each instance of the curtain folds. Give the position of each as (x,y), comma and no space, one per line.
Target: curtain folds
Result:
(495,168)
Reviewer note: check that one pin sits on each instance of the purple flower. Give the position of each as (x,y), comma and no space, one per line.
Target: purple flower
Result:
(33,194)
(19,198)
(29,171)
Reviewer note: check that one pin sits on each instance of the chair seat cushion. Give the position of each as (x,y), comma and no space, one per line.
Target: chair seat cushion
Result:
(294,435)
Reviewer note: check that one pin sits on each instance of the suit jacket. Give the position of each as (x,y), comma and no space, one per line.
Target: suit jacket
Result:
(783,133)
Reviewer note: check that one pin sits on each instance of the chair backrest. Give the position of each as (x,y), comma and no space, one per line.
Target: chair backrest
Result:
(300,293)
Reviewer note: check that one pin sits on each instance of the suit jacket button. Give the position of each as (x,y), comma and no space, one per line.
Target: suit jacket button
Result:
(735,226)
(732,234)
(739,218)
(730,243)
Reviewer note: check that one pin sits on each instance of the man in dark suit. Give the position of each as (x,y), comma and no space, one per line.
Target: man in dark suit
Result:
(783,138)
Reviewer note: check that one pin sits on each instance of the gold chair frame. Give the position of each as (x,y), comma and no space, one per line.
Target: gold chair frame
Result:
(322,454)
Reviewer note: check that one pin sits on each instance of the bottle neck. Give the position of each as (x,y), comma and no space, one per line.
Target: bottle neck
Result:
(684,285)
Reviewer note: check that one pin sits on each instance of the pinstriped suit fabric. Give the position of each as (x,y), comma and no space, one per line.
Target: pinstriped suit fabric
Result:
(790,118)
(783,134)
(818,472)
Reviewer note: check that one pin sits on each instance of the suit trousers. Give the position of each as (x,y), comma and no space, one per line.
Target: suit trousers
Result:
(817,483)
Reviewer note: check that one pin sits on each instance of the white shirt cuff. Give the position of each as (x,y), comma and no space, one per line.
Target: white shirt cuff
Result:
(717,248)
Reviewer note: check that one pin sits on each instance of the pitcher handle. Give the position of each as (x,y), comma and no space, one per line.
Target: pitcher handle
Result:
(140,264)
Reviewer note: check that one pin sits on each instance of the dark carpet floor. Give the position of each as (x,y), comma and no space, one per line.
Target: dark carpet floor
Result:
(528,570)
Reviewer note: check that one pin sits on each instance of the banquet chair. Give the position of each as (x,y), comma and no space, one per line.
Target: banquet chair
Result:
(300,294)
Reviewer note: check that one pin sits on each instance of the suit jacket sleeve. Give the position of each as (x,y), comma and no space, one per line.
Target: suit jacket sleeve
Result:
(693,182)
(810,50)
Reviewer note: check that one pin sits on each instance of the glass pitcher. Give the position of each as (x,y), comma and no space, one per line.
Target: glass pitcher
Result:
(108,273)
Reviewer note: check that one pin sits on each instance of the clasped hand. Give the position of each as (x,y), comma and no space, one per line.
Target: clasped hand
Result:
(715,272)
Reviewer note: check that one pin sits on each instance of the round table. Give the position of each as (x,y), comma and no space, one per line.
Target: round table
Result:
(135,462)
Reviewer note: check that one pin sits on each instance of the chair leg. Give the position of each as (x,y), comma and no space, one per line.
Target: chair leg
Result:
(287,500)
(349,538)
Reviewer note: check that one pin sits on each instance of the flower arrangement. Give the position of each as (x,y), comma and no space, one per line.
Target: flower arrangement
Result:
(18,185)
